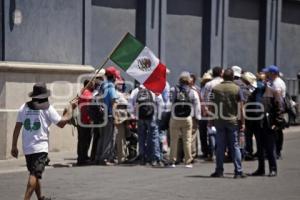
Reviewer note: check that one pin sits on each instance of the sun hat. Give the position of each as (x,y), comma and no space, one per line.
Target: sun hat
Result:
(250,78)
(39,96)
(39,91)
(185,76)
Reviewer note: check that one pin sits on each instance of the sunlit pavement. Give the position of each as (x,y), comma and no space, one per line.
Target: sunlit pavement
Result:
(63,182)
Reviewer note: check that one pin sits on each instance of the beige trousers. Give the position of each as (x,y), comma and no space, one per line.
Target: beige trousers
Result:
(181,129)
(121,141)
(194,138)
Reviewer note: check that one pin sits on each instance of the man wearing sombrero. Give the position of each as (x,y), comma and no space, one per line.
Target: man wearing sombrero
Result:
(35,117)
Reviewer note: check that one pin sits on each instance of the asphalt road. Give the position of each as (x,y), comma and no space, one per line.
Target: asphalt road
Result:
(146,183)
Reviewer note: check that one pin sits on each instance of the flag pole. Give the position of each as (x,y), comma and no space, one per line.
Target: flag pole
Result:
(100,67)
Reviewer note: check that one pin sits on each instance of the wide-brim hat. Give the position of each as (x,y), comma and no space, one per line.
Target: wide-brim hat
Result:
(185,76)
(250,78)
(39,91)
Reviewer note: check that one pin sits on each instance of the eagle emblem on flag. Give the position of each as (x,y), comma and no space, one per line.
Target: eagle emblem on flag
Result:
(144,64)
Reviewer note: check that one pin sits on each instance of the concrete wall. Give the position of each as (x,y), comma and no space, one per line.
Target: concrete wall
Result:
(243,34)
(290,38)
(62,80)
(183,37)
(110,21)
(51,31)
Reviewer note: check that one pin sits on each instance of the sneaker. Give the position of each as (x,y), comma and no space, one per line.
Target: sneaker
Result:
(273,174)
(188,166)
(171,165)
(216,175)
(160,164)
(106,163)
(154,163)
(240,175)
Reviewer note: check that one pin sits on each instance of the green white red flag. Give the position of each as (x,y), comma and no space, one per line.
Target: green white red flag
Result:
(139,62)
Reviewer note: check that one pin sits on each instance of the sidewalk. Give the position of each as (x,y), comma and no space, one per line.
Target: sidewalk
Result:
(65,159)
(57,159)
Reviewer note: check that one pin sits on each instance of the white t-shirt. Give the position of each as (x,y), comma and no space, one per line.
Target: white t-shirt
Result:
(36,123)
(206,94)
(279,86)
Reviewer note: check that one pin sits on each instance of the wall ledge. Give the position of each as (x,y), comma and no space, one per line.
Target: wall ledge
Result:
(30,67)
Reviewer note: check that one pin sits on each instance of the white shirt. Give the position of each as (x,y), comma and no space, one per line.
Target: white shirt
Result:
(279,86)
(196,104)
(209,86)
(36,123)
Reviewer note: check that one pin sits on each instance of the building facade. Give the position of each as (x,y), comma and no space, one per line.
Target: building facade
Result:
(192,35)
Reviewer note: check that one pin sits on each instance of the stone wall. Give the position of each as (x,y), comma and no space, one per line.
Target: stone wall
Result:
(16,81)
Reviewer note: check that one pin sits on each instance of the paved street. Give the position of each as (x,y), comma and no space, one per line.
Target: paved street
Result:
(63,182)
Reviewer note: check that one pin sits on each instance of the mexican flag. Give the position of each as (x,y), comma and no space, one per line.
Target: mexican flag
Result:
(139,62)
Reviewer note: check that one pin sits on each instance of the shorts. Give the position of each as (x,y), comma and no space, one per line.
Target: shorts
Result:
(36,163)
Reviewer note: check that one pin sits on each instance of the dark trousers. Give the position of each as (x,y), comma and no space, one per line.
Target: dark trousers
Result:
(83,145)
(203,137)
(96,137)
(252,128)
(106,142)
(279,141)
(266,144)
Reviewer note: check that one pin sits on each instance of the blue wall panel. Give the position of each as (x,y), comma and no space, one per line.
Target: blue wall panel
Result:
(51,31)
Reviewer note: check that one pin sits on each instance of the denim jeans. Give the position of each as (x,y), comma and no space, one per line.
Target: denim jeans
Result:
(148,139)
(162,134)
(228,134)
(212,144)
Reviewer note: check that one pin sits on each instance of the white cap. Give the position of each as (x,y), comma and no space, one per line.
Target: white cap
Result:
(237,71)
(101,73)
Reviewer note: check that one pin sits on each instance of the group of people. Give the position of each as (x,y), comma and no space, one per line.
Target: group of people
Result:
(228,108)
(223,113)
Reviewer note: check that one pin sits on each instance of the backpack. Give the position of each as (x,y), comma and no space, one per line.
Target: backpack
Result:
(290,111)
(96,113)
(145,103)
(182,107)
(96,110)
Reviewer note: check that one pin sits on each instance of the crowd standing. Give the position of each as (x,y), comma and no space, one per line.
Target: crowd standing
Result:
(118,125)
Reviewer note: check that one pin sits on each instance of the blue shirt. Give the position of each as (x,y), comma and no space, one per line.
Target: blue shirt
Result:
(109,94)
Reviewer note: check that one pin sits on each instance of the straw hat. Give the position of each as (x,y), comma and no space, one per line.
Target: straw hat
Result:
(250,78)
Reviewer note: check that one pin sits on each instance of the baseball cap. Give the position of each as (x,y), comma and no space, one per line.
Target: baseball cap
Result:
(237,71)
(111,70)
(273,69)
